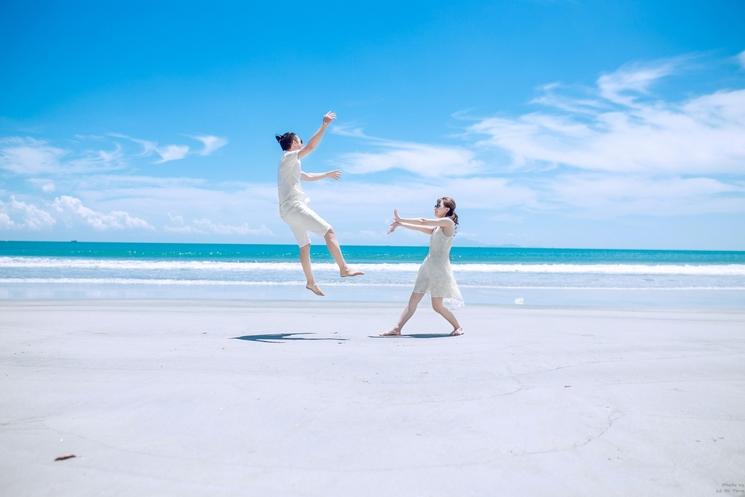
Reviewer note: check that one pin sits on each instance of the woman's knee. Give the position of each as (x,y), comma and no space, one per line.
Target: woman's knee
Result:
(438,306)
(329,234)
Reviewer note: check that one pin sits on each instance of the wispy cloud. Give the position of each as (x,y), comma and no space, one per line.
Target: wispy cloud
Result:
(73,209)
(204,226)
(27,156)
(602,196)
(148,147)
(169,153)
(172,152)
(418,158)
(45,185)
(166,153)
(700,135)
(210,143)
(625,84)
(741,58)
(583,103)
(30,156)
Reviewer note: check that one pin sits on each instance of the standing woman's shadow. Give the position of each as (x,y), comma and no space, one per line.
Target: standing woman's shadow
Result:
(283,337)
(416,335)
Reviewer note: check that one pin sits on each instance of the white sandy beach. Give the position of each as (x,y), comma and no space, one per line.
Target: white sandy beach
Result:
(227,398)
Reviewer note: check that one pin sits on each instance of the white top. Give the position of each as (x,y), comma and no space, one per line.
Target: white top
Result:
(288,180)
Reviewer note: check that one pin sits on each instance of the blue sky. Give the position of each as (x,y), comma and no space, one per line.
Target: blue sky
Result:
(552,123)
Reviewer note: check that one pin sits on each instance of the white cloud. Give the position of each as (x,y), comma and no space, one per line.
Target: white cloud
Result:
(168,153)
(115,220)
(550,98)
(5,221)
(602,196)
(190,206)
(621,85)
(702,135)
(423,160)
(24,216)
(357,202)
(349,131)
(741,58)
(430,161)
(29,156)
(45,185)
(210,143)
(204,226)
(490,193)
(250,209)
(148,147)
(118,183)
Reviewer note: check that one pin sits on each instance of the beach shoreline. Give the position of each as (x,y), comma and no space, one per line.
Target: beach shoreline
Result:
(228,397)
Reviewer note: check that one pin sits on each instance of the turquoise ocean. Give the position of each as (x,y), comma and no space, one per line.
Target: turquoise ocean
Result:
(492,276)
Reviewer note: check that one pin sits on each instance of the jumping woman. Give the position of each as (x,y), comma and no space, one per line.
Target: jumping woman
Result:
(293,204)
(435,275)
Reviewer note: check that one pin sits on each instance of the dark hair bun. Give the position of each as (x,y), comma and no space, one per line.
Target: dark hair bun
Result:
(278,137)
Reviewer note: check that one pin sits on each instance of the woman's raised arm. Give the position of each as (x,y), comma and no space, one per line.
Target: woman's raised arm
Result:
(316,138)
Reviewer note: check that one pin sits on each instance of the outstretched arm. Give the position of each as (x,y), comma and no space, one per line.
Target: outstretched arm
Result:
(395,224)
(444,222)
(316,138)
(336,174)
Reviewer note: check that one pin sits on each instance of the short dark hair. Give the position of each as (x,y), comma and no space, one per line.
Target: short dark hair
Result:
(285,140)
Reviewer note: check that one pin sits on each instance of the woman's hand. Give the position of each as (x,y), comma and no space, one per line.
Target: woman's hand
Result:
(335,174)
(396,222)
(328,117)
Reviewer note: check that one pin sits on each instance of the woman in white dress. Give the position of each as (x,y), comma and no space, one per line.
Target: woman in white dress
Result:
(435,276)
(293,203)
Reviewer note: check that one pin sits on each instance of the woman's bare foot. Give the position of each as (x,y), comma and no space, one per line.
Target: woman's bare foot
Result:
(395,332)
(347,271)
(456,332)
(314,288)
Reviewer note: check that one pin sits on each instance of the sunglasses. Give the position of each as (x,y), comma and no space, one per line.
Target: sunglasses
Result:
(438,205)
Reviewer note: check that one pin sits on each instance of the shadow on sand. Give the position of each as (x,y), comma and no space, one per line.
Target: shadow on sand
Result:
(417,335)
(283,337)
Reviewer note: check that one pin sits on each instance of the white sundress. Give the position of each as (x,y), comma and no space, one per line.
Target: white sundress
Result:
(435,276)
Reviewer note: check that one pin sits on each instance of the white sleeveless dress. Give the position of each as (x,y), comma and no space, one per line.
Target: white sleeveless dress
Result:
(435,276)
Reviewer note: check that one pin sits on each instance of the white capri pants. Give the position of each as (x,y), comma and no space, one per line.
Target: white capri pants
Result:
(303,219)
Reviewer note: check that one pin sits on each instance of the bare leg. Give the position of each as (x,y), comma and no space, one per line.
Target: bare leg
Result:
(305,262)
(443,311)
(408,311)
(335,250)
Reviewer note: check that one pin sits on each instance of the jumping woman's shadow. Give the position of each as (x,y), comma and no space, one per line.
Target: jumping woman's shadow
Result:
(283,337)
(286,337)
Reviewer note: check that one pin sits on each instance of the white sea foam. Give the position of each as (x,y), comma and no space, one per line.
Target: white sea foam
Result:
(360,283)
(651,269)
